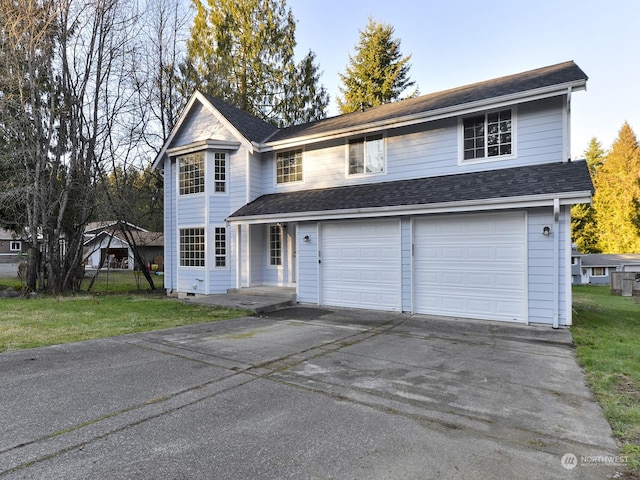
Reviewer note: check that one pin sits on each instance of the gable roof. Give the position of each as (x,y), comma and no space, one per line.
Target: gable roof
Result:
(252,128)
(554,77)
(540,181)
(141,238)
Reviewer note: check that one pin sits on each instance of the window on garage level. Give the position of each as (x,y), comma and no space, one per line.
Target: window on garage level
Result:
(275,245)
(221,246)
(289,166)
(191,173)
(598,271)
(192,251)
(488,135)
(366,155)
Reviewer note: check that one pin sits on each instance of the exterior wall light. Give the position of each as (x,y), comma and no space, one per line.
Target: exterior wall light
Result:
(546,231)
(306,239)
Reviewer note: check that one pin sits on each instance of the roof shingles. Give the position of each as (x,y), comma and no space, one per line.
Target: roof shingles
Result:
(546,179)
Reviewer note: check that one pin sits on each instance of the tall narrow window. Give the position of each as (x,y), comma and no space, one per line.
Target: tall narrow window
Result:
(488,135)
(191,173)
(275,245)
(220,172)
(192,249)
(366,155)
(221,246)
(289,166)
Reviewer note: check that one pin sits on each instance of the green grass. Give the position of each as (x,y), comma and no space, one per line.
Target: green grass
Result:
(606,331)
(49,321)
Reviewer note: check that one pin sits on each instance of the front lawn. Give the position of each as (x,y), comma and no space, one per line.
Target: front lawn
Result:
(606,331)
(53,320)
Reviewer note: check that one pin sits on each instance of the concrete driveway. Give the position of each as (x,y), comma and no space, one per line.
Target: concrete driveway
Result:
(306,393)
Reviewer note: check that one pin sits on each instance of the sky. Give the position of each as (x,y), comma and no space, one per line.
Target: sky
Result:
(457,42)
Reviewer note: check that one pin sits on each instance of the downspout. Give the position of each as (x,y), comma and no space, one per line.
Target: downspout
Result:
(556,262)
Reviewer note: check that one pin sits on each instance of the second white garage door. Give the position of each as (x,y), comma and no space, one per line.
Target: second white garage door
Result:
(471,266)
(360,264)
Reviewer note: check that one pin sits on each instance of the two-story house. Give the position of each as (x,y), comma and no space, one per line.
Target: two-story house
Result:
(455,203)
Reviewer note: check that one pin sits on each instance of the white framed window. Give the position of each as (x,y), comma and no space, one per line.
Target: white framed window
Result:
(220,246)
(366,155)
(191,173)
(219,172)
(192,247)
(488,135)
(275,245)
(289,166)
(15,246)
(598,271)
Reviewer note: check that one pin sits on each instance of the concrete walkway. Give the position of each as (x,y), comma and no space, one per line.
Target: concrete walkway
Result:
(305,393)
(259,300)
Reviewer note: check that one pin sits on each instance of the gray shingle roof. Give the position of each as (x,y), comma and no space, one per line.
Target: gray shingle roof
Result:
(257,130)
(562,73)
(546,179)
(252,128)
(609,260)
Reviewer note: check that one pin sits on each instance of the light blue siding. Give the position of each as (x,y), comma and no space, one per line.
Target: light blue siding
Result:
(192,280)
(200,124)
(170,243)
(429,149)
(308,263)
(542,282)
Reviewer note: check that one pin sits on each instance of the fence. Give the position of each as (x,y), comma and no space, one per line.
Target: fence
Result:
(626,284)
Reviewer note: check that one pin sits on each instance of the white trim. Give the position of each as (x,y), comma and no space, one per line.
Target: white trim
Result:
(227,173)
(268,238)
(568,307)
(275,167)
(527,201)
(220,145)
(227,257)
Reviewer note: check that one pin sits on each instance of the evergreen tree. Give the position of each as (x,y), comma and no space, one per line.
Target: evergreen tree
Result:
(618,195)
(242,51)
(377,73)
(584,231)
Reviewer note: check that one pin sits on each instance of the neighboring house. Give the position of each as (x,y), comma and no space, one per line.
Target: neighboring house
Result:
(596,268)
(105,245)
(10,246)
(455,203)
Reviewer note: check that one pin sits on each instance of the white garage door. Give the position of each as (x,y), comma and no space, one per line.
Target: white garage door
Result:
(360,264)
(471,266)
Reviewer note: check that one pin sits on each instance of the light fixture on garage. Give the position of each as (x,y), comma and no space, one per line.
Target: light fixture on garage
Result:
(546,231)
(306,239)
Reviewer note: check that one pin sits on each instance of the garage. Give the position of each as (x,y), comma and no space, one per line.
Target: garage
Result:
(471,266)
(361,264)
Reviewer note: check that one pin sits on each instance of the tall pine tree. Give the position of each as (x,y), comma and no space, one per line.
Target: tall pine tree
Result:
(242,51)
(584,231)
(618,195)
(377,73)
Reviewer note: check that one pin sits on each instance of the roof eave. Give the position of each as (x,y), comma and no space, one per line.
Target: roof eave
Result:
(499,203)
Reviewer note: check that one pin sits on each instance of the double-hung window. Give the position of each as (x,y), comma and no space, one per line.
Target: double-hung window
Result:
(191,173)
(275,245)
(366,155)
(289,166)
(192,251)
(488,135)
(219,172)
(221,246)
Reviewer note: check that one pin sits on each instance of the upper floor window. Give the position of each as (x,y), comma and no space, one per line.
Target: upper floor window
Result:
(220,172)
(366,155)
(488,135)
(289,166)
(192,251)
(191,173)
(15,246)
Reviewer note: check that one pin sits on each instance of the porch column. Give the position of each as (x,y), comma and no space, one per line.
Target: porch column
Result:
(238,254)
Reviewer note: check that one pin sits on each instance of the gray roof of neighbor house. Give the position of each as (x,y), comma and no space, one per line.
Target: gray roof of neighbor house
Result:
(609,259)
(259,131)
(546,179)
